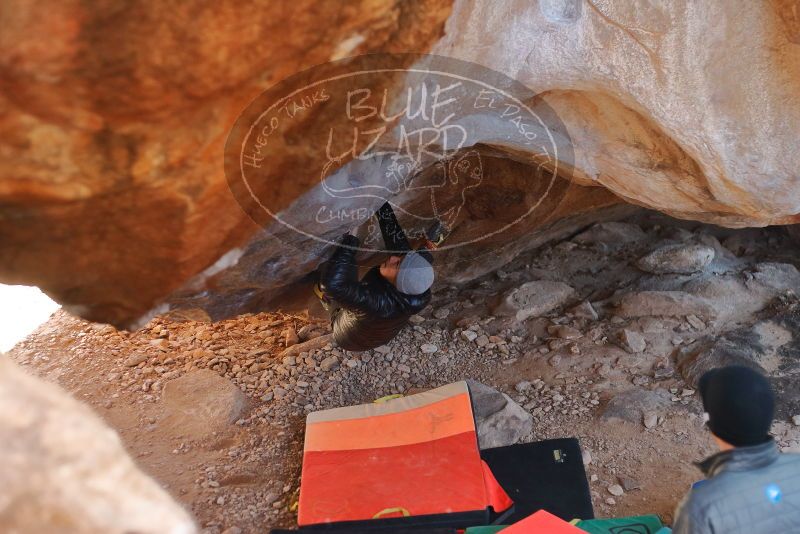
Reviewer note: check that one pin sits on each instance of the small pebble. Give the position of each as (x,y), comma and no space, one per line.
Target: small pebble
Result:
(441,313)
(650,420)
(469,335)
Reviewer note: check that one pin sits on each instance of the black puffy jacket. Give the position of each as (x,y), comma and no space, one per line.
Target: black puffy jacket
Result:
(371,311)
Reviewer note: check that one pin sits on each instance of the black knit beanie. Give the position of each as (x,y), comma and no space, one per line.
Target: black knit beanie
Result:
(740,404)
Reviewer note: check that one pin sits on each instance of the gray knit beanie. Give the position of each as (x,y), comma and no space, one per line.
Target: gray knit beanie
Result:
(415,275)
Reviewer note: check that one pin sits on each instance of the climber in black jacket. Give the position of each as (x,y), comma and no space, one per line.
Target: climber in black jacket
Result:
(368,313)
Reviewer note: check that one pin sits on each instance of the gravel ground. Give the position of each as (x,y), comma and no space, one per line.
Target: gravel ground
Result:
(575,368)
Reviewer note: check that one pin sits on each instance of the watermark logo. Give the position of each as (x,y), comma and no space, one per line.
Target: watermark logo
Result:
(443,141)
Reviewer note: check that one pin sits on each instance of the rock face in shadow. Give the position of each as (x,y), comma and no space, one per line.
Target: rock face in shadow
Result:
(770,345)
(113,197)
(64,470)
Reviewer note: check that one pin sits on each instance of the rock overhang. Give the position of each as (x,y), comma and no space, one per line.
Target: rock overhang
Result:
(113,203)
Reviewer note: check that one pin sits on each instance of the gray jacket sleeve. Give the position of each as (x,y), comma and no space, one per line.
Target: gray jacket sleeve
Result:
(687,520)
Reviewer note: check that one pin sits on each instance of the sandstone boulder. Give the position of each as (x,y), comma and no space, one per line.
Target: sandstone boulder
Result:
(736,297)
(111,176)
(632,405)
(769,345)
(533,299)
(664,303)
(611,234)
(64,470)
(777,276)
(201,402)
(678,259)
(632,341)
(499,420)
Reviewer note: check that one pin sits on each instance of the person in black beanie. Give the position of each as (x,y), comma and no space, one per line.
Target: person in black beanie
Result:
(740,406)
(750,486)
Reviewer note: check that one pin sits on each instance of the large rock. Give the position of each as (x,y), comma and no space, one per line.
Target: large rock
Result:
(533,299)
(770,345)
(777,276)
(731,297)
(499,420)
(678,259)
(112,136)
(664,303)
(736,297)
(648,112)
(633,405)
(611,233)
(111,175)
(63,470)
(632,341)
(201,402)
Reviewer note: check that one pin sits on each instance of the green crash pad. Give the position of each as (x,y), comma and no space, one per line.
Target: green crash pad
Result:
(643,524)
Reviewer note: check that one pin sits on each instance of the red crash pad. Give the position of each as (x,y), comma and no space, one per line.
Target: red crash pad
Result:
(411,456)
(542,522)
